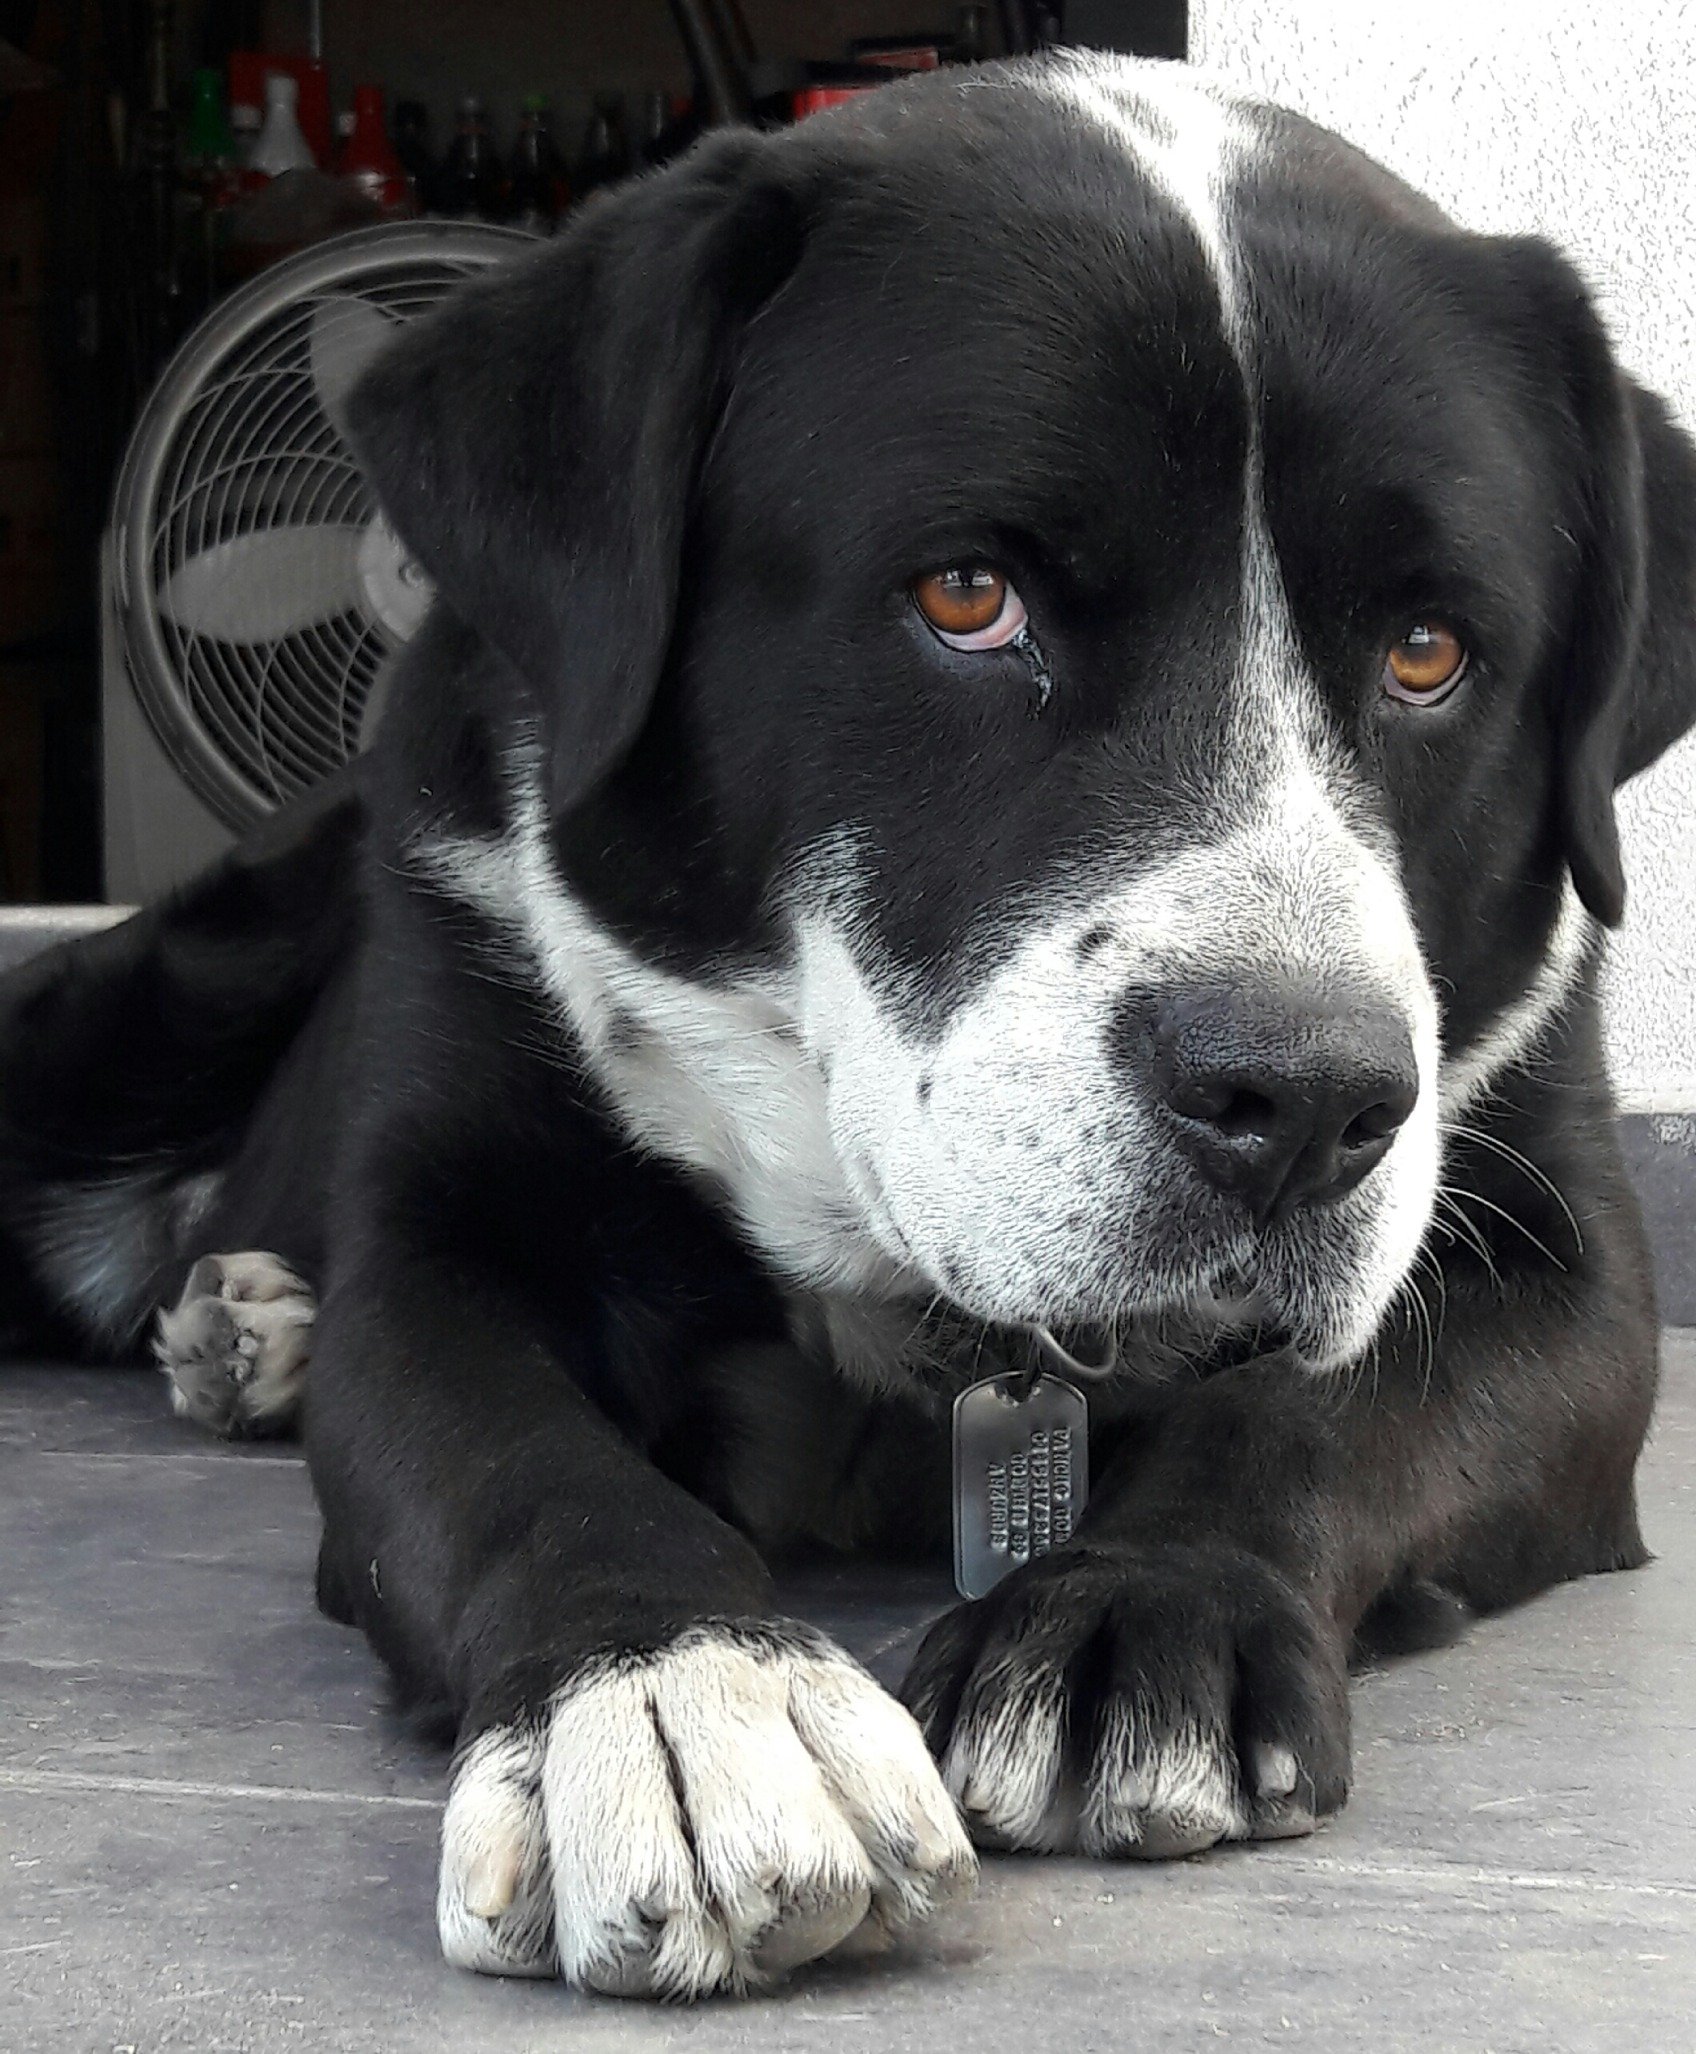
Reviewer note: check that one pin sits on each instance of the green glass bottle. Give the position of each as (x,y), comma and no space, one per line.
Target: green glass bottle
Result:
(206,186)
(208,140)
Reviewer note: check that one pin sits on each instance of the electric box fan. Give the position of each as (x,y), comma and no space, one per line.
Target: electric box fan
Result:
(253,597)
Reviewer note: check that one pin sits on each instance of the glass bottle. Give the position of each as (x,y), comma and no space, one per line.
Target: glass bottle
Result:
(207,142)
(281,146)
(471,175)
(412,147)
(368,160)
(606,148)
(209,180)
(538,171)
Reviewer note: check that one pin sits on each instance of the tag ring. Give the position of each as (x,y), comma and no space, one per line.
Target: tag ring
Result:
(1063,1358)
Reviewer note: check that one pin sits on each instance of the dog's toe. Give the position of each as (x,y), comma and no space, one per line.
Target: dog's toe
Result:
(494,1904)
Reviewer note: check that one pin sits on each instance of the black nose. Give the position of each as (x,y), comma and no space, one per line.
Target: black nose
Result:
(1276,1100)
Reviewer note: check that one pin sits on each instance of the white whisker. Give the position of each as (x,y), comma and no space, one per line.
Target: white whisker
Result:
(1524,1164)
(1501,1211)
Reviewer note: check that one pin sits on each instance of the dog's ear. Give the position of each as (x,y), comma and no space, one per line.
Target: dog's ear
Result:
(1626,683)
(535,442)
(1621,720)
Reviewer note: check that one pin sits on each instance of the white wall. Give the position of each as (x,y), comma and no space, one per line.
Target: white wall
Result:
(1578,121)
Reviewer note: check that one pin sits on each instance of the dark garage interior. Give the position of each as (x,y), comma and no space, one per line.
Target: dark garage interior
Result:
(129,214)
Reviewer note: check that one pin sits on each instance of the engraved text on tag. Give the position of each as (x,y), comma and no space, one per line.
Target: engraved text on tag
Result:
(1021,1475)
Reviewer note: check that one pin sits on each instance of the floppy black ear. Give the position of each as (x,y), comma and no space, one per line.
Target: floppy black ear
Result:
(1629,685)
(535,442)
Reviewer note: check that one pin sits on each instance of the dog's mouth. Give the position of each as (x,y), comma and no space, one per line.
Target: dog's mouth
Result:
(1249,1302)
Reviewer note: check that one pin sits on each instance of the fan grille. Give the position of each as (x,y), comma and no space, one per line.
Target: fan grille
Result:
(240,443)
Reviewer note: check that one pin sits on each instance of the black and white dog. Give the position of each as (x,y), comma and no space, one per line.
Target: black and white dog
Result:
(1015,756)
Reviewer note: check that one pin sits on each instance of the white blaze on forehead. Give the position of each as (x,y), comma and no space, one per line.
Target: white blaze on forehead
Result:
(1189,138)
(1195,144)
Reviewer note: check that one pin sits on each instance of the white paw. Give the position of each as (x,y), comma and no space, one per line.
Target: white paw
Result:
(235,1344)
(697,1820)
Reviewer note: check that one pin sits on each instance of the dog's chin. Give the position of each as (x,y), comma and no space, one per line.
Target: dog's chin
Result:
(1324,1334)
(1327,1348)
(1221,1319)
(1207,1336)
(1316,1298)
(1329,1322)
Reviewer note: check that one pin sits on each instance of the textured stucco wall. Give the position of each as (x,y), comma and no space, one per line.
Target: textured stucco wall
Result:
(1579,122)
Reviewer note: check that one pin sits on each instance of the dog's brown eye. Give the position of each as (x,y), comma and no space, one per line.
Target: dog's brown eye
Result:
(969,606)
(1425,665)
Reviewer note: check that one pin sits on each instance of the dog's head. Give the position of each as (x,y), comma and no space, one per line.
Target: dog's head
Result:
(1064,649)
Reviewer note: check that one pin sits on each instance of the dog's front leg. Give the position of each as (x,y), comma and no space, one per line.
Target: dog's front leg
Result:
(1138,1695)
(660,1788)
(1177,1676)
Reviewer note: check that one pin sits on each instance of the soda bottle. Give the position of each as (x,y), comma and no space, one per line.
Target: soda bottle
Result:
(209,179)
(208,146)
(368,159)
(471,176)
(606,148)
(412,147)
(538,171)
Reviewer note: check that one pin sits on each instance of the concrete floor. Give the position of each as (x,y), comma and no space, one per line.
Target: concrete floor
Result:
(212,1836)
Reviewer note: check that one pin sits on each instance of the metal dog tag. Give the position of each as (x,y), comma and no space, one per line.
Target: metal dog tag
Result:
(1021,1474)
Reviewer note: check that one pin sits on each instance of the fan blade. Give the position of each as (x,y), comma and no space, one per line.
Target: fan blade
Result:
(347,333)
(263,586)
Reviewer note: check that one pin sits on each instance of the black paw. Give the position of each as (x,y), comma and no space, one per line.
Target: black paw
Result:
(1136,1700)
